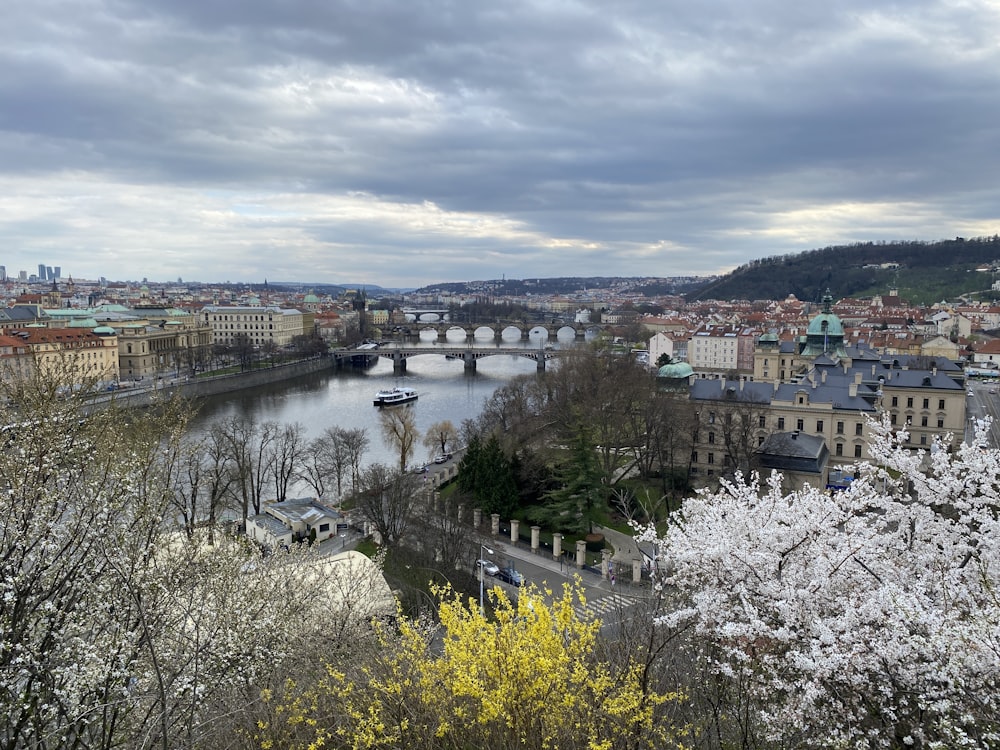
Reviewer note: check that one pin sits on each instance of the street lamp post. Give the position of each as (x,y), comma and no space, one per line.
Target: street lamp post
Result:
(482,576)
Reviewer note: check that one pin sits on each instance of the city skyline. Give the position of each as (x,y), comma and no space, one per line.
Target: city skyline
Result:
(408,145)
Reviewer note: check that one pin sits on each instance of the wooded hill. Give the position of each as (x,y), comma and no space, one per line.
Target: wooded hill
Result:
(927,272)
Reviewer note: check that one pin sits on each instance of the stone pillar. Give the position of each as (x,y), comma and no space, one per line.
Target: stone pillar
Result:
(514,530)
(436,500)
(556,546)
(605,562)
(495,524)
(398,363)
(637,571)
(470,361)
(477,517)
(460,512)
(581,553)
(534,538)
(540,362)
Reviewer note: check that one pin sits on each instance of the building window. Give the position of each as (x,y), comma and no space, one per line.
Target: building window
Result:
(840,428)
(895,401)
(940,423)
(909,402)
(923,440)
(694,457)
(940,403)
(711,417)
(839,449)
(324,527)
(858,428)
(819,425)
(711,458)
(800,424)
(762,421)
(927,403)
(781,423)
(857,451)
(711,438)
(892,418)
(923,421)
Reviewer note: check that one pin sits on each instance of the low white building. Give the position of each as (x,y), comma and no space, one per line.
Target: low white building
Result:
(295,520)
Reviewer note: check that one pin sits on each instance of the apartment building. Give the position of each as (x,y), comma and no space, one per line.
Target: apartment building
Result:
(833,400)
(68,355)
(718,349)
(260,325)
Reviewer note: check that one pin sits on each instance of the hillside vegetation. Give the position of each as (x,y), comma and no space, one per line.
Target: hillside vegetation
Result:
(927,272)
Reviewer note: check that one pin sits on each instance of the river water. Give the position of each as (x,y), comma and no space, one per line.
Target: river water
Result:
(344,398)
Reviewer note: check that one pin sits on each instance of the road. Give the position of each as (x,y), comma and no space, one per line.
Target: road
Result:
(603,600)
(984,401)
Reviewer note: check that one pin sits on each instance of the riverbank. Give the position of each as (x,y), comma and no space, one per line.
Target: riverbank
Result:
(216,385)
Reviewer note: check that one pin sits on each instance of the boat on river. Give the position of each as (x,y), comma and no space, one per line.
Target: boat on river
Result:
(393,396)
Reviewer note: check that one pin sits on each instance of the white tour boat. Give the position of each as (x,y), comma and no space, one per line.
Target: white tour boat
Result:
(395,396)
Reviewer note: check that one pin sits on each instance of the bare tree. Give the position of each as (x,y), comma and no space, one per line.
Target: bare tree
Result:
(399,429)
(440,436)
(353,444)
(287,453)
(250,448)
(387,498)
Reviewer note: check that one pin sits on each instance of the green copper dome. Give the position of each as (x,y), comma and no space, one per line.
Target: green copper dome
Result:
(825,333)
(675,371)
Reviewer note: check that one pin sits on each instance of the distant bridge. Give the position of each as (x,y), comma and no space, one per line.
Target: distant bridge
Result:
(494,331)
(469,356)
(419,312)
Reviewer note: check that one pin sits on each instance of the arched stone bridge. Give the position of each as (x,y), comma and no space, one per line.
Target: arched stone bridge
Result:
(469,357)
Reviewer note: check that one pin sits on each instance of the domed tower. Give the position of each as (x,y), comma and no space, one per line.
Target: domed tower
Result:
(825,334)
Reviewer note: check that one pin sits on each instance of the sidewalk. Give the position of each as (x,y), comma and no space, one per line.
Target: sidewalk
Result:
(625,551)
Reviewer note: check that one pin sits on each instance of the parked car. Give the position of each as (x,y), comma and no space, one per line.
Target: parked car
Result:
(489,567)
(440,458)
(511,576)
(419,469)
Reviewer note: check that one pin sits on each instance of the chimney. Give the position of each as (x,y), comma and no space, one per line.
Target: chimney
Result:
(852,390)
(776,384)
(742,383)
(857,378)
(823,377)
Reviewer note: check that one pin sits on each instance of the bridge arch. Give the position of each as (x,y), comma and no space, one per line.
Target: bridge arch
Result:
(484,332)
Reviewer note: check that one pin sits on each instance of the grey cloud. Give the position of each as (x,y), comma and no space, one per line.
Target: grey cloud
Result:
(579,134)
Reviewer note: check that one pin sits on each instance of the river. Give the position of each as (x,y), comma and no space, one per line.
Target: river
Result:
(344,398)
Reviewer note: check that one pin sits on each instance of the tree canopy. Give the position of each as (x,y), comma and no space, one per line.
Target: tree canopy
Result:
(863,618)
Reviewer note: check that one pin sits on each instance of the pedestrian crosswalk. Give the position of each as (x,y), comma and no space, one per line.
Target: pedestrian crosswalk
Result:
(603,607)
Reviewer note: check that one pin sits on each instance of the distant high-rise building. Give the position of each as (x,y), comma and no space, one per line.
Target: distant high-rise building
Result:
(41,272)
(57,272)
(22,276)
(49,275)
(3,273)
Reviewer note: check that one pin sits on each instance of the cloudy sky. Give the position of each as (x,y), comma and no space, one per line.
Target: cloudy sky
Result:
(404,142)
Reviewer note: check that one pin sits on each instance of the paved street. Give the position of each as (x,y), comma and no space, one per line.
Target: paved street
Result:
(602,598)
(984,401)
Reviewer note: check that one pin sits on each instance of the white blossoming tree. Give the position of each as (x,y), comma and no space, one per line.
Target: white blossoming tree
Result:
(117,629)
(864,618)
